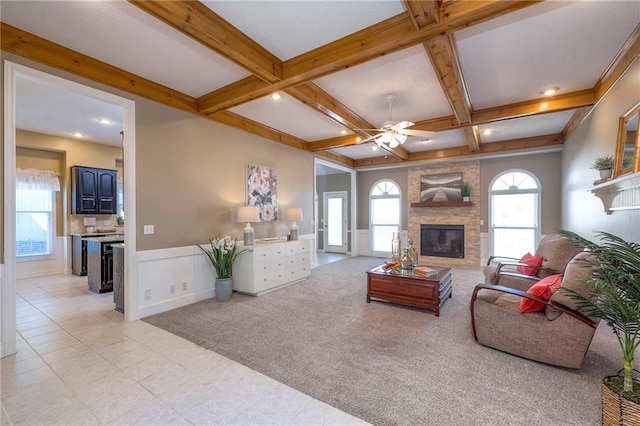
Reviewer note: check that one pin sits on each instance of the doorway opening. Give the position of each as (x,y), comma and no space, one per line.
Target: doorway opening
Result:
(14,74)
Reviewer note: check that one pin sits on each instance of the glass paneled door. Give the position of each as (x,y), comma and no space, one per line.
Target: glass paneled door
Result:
(335,222)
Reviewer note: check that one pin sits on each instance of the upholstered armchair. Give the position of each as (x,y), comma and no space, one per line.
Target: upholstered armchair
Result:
(558,334)
(556,252)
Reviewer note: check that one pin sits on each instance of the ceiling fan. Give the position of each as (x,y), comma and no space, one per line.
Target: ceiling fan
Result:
(394,133)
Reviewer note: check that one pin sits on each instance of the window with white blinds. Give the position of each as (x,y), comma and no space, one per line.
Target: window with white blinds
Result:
(34,222)
(35,204)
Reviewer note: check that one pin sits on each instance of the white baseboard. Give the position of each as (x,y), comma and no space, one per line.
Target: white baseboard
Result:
(178,302)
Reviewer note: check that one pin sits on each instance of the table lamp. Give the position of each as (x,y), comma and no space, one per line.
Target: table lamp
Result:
(293,214)
(90,223)
(248,214)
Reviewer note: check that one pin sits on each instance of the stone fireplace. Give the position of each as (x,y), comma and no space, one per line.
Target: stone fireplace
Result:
(466,218)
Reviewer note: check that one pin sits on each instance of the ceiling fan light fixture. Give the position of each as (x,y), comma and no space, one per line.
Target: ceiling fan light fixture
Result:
(401,137)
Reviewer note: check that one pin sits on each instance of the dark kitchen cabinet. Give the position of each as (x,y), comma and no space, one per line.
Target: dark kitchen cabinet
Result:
(100,263)
(93,190)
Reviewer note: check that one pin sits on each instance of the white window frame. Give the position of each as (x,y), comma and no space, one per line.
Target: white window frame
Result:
(537,190)
(50,236)
(383,196)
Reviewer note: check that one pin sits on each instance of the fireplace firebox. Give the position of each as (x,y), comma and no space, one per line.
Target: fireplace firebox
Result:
(442,241)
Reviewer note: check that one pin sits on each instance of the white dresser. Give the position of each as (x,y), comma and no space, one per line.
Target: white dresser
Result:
(271,266)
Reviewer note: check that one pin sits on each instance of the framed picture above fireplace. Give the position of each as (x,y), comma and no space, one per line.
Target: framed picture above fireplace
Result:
(442,187)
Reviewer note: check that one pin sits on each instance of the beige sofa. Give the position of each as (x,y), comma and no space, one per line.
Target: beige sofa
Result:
(560,334)
(556,252)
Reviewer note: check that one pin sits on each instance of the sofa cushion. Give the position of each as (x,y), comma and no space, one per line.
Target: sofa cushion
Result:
(543,289)
(534,263)
(576,275)
(557,251)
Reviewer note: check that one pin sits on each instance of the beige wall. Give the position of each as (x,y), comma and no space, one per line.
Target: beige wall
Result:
(191,178)
(546,167)
(582,212)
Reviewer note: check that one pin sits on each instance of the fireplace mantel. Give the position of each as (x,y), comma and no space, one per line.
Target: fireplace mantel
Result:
(443,204)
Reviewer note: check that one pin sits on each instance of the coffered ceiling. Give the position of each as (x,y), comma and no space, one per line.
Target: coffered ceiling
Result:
(457,68)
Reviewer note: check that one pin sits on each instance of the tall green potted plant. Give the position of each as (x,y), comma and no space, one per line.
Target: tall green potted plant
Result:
(221,254)
(616,277)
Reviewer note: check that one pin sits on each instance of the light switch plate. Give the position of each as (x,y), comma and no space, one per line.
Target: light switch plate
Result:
(148,229)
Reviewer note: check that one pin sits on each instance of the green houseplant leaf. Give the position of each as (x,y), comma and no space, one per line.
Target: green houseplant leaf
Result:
(616,277)
(222,252)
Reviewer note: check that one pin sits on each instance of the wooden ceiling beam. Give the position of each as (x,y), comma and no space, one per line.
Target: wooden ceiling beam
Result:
(316,98)
(487,148)
(197,21)
(337,142)
(338,158)
(422,13)
(535,106)
(32,47)
(240,122)
(377,40)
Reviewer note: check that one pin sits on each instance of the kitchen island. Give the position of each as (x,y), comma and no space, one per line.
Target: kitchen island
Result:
(100,262)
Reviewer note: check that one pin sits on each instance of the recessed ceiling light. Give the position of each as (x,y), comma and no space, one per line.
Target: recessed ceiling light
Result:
(77,135)
(550,91)
(275,96)
(486,132)
(343,132)
(104,121)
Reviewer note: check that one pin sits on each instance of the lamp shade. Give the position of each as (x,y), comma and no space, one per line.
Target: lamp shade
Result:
(248,214)
(293,214)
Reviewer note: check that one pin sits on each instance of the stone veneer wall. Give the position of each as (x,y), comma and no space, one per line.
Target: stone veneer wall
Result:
(467,216)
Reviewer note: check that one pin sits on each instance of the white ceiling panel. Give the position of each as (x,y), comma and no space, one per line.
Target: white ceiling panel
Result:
(360,152)
(291,116)
(56,111)
(553,44)
(441,140)
(526,127)
(406,74)
(289,28)
(122,35)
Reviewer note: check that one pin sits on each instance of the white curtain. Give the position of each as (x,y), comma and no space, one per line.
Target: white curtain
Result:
(37,179)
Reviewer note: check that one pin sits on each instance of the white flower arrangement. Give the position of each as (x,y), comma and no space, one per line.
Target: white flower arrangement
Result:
(222,254)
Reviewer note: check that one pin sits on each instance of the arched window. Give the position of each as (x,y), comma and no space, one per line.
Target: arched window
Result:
(384,214)
(514,206)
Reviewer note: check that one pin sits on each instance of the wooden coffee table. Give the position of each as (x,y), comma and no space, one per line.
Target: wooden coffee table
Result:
(425,291)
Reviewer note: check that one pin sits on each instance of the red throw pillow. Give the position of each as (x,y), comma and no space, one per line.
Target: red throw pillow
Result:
(543,289)
(534,262)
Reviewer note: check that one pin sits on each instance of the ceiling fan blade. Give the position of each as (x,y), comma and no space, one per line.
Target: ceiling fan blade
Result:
(402,125)
(369,139)
(419,133)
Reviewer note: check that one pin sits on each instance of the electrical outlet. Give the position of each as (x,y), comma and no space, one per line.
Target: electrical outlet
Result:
(148,229)
(184,286)
(172,289)
(147,294)
(106,222)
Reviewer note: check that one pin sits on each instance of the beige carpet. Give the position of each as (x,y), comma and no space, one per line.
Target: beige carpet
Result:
(391,365)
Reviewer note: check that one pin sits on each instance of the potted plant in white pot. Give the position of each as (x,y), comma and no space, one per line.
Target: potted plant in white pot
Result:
(221,254)
(616,277)
(465,191)
(604,164)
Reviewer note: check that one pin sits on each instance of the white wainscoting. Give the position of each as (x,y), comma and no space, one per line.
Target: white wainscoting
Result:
(50,265)
(484,248)
(159,270)
(363,241)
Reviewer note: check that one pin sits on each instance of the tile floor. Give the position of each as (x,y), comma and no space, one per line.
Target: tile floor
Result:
(80,363)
